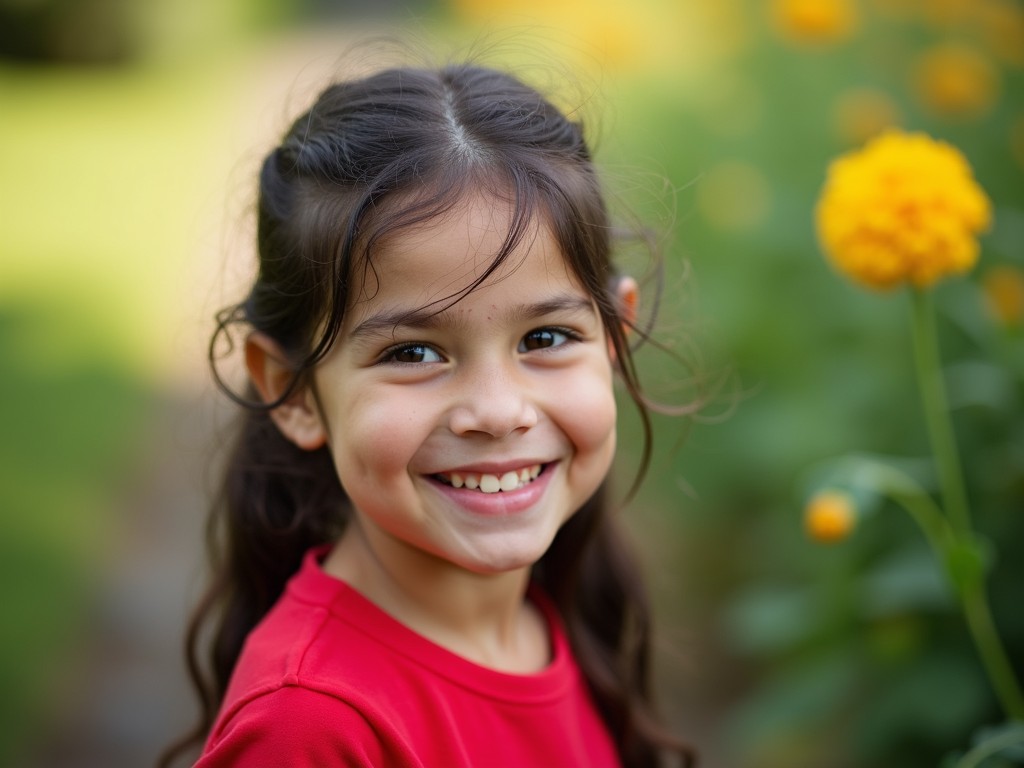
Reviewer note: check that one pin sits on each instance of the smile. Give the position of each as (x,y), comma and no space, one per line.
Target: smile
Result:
(509,481)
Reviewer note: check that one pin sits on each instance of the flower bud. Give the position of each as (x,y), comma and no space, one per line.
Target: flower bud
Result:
(829,516)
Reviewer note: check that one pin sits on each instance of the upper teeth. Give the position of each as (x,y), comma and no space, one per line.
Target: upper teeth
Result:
(485,483)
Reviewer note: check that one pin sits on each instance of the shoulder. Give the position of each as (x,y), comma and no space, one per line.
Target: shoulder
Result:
(298,641)
(299,727)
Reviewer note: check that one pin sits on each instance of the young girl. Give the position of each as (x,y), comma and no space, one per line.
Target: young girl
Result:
(417,563)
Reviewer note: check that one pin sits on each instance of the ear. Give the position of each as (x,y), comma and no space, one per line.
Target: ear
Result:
(627,293)
(627,297)
(298,417)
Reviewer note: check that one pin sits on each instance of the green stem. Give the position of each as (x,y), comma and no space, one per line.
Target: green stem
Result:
(991,650)
(916,501)
(936,412)
(970,585)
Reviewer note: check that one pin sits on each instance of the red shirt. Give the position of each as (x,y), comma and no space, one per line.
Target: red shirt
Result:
(328,679)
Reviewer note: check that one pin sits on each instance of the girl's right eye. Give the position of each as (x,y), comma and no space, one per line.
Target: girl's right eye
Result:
(411,353)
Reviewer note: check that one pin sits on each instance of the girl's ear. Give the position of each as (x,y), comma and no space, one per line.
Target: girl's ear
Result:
(298,417)
(628,294)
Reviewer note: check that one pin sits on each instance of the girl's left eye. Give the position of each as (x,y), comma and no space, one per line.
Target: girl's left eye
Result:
(545,338)
(412,353)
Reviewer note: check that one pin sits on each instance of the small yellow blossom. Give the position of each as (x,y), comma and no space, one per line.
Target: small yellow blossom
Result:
(815,21)
(1004,293)
(860,114)
(829,516)
(956,80)
(905,208)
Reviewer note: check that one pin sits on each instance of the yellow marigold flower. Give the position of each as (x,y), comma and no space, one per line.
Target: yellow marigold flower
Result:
(829,516)
(953,79)
(1004,293)
(905,208)
(860,114)
(815,21)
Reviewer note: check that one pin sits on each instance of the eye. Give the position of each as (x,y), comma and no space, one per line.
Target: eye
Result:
(411,353)
(545,338)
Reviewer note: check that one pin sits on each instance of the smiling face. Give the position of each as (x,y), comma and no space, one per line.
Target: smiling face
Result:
(469,435)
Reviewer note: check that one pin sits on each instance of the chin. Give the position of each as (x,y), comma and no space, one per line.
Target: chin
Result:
(506,561)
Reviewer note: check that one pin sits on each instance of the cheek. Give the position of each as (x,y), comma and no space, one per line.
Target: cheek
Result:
(375,437)
(586,413)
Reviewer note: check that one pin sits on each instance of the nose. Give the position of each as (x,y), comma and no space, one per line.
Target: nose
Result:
(492,401)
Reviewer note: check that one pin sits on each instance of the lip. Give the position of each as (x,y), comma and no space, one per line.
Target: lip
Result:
(493,467)
(503,502)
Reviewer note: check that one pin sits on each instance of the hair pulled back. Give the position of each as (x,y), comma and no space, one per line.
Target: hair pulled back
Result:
(372,156)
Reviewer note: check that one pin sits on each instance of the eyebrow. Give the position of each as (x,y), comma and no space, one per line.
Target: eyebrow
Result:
(426,318)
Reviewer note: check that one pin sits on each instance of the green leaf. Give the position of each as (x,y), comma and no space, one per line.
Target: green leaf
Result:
(1006,740)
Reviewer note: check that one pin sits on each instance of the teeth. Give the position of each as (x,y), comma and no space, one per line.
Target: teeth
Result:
(510,481)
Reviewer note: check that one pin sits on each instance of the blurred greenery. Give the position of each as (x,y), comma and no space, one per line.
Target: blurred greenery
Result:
(855,654)
(68,432)
(117,170)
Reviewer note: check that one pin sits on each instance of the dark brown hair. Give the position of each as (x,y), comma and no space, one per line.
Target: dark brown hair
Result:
(371,156)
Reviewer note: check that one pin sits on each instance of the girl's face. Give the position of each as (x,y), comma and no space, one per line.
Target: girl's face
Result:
(473,434)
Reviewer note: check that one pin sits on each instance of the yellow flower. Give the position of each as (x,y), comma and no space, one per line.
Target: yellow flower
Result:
(905,208)
(953,79)
(1004,293)
(829,516)
(815,21)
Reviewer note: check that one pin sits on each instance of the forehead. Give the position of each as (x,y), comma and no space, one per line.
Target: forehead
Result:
(433,262)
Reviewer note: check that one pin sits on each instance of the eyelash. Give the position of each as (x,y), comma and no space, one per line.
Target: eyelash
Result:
(391,354)
(569,334)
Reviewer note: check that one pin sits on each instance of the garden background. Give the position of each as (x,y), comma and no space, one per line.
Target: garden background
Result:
(128,144)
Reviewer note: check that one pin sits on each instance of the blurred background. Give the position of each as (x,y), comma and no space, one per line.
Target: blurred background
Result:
(130,134)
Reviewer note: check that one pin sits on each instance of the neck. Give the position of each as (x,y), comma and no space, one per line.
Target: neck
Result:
(484,618)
